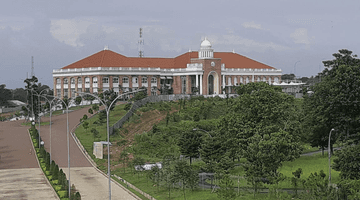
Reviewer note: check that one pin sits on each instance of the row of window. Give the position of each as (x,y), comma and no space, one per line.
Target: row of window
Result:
(106,80)
(276,79)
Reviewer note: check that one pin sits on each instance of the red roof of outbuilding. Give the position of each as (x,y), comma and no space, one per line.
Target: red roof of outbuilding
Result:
(108,58)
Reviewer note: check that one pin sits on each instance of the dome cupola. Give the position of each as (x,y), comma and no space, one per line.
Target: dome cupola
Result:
(205,43)
(205,49)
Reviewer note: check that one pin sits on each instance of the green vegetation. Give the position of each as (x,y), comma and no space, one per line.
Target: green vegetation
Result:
(41,124)
(87,137)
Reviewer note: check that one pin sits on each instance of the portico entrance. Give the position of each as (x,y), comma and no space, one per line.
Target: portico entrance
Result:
(213,83)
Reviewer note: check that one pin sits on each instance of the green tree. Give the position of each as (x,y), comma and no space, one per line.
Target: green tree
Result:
(190,143)
(348,162)
(155,175)
(124,159)
(212,151)
(185,175)
(5,95)
(295,181)
(31,85)
(90,111)
(66,102)
(226,190)
(95,107)
(95,133)
(335,99)
(168,172)
(138,163)
(85,125)
(78,100)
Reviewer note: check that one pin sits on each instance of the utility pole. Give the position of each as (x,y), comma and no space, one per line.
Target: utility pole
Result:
(141,45)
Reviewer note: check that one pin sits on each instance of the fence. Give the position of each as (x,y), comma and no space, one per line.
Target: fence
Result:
(150,99)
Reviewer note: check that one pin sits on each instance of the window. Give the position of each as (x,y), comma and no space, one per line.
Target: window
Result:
(264,79)
(144,80)
(79,89)
(115,80)
(79,81)
(134,80)
(87,80)
(95,90)
(269,80)
(125,80)
(72,80)
(66,92)
(58,81)
(241,80)
(58,92)
(247,79)
(276,80)
(105,80)
(87,90)
(229,80)
(235,81)
(94,79)
(65,81)
(73,92)
(258,79)
(153,80)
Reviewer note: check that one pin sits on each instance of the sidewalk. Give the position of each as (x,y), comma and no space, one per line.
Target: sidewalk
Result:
(27,183)
(94,186)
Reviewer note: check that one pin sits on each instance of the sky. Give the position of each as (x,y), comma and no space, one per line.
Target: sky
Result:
(295,36)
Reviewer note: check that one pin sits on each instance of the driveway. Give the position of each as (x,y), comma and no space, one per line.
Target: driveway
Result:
(20,175)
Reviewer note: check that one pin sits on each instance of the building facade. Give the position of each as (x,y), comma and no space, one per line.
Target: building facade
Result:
(203,72)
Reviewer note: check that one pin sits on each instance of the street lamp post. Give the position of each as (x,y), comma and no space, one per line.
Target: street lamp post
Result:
(38,108)
(67,135)
(107,109)
(50,103)
(329,151)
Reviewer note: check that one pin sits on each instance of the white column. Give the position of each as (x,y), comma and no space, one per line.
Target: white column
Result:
(201,92)
(223,86)
(197,82)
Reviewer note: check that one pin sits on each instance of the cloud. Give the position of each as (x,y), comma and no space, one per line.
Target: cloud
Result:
(69,30)
(251,25)
(300,36)
(246,44)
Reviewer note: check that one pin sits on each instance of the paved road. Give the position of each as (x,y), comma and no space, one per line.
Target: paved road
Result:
(20,175)
(59,151)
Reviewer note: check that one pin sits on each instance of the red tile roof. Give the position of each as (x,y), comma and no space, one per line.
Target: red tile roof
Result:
(108,58)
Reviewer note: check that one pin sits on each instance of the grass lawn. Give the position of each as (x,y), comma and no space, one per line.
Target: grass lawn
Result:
(310,164)
(37,124)
(85,136)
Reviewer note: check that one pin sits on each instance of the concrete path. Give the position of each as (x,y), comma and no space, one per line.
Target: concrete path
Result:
(94,186)
(20,175)
(27,183)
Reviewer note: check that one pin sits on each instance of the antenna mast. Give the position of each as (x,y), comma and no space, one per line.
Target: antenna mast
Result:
(32,66)
(141,45)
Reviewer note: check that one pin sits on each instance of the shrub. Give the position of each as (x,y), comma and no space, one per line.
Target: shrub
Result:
(56,172)
(52,166)
(121,142)
(127,106)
